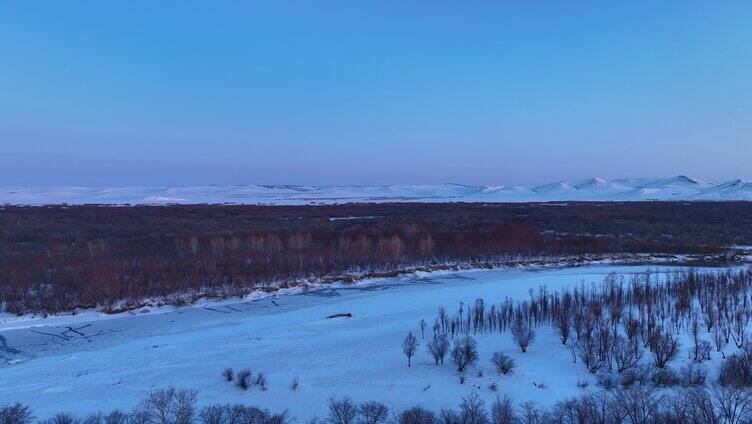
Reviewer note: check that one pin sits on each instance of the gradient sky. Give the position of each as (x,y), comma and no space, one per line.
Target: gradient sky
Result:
(384,92)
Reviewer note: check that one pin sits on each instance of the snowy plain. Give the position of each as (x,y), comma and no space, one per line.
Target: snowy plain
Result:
(86,365)
(678,188)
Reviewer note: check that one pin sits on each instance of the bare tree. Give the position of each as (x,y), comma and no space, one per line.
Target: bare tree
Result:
(409,346)
(373,413)
(213,414)
(15,414)
(449,416)
(169,406)
(502,411)
(637,405)
(563,326)
(531,414)
(342,411)
(700,348)
(236,414)
(719,340)
(586,351)
(116,417)
(416,415)
(464,353)
(733,403)
(664,347)
(422,325)
(736,370)
(472,410)
(522,333)
(62,418)
(438,347)
(626,353)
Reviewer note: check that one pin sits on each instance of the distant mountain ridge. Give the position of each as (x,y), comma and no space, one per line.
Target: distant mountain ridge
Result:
(678,188)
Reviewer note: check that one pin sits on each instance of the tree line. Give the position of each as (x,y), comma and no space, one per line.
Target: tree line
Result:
(635,405)
(59,258)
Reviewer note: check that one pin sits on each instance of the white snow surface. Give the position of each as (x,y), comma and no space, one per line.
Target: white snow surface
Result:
(679,188)
(89,364)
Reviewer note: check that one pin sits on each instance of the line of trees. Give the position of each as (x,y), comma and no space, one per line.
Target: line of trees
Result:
(55,259)
(635,405)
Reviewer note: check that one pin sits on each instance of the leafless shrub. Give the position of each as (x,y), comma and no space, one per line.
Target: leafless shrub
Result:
(493,386)
(228,374)
(607,381)
(168,406)
(502,411)
(503,363)
(279,418)
(214,414)
(138,417)
(586,351)
(472,410)
(637,404)
(587,409)
(239,414)
(244,379)
(664,347)
(636,375)
(373,413)
(438,347)
(15,414)
(417,415)
(733,403)
(253,415)
(95,418)
(626,353)
(692,375)
(563,326)
(700,348)
(736,371)
(116,417)
(464,353)
(719,340)
(62,418)
(522,333)
(449,416)
(665,377)
(342,411)
(693,406)
(295,384)
(261,381)
(631,327)
(531,414)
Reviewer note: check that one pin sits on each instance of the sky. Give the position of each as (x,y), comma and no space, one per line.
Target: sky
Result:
(99,93)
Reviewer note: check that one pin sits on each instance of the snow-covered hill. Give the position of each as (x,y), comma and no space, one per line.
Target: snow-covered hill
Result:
(680,188)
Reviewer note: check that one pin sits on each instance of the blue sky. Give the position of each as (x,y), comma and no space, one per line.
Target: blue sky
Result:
(387,92)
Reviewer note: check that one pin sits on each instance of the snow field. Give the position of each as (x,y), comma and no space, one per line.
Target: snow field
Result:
(121,359)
